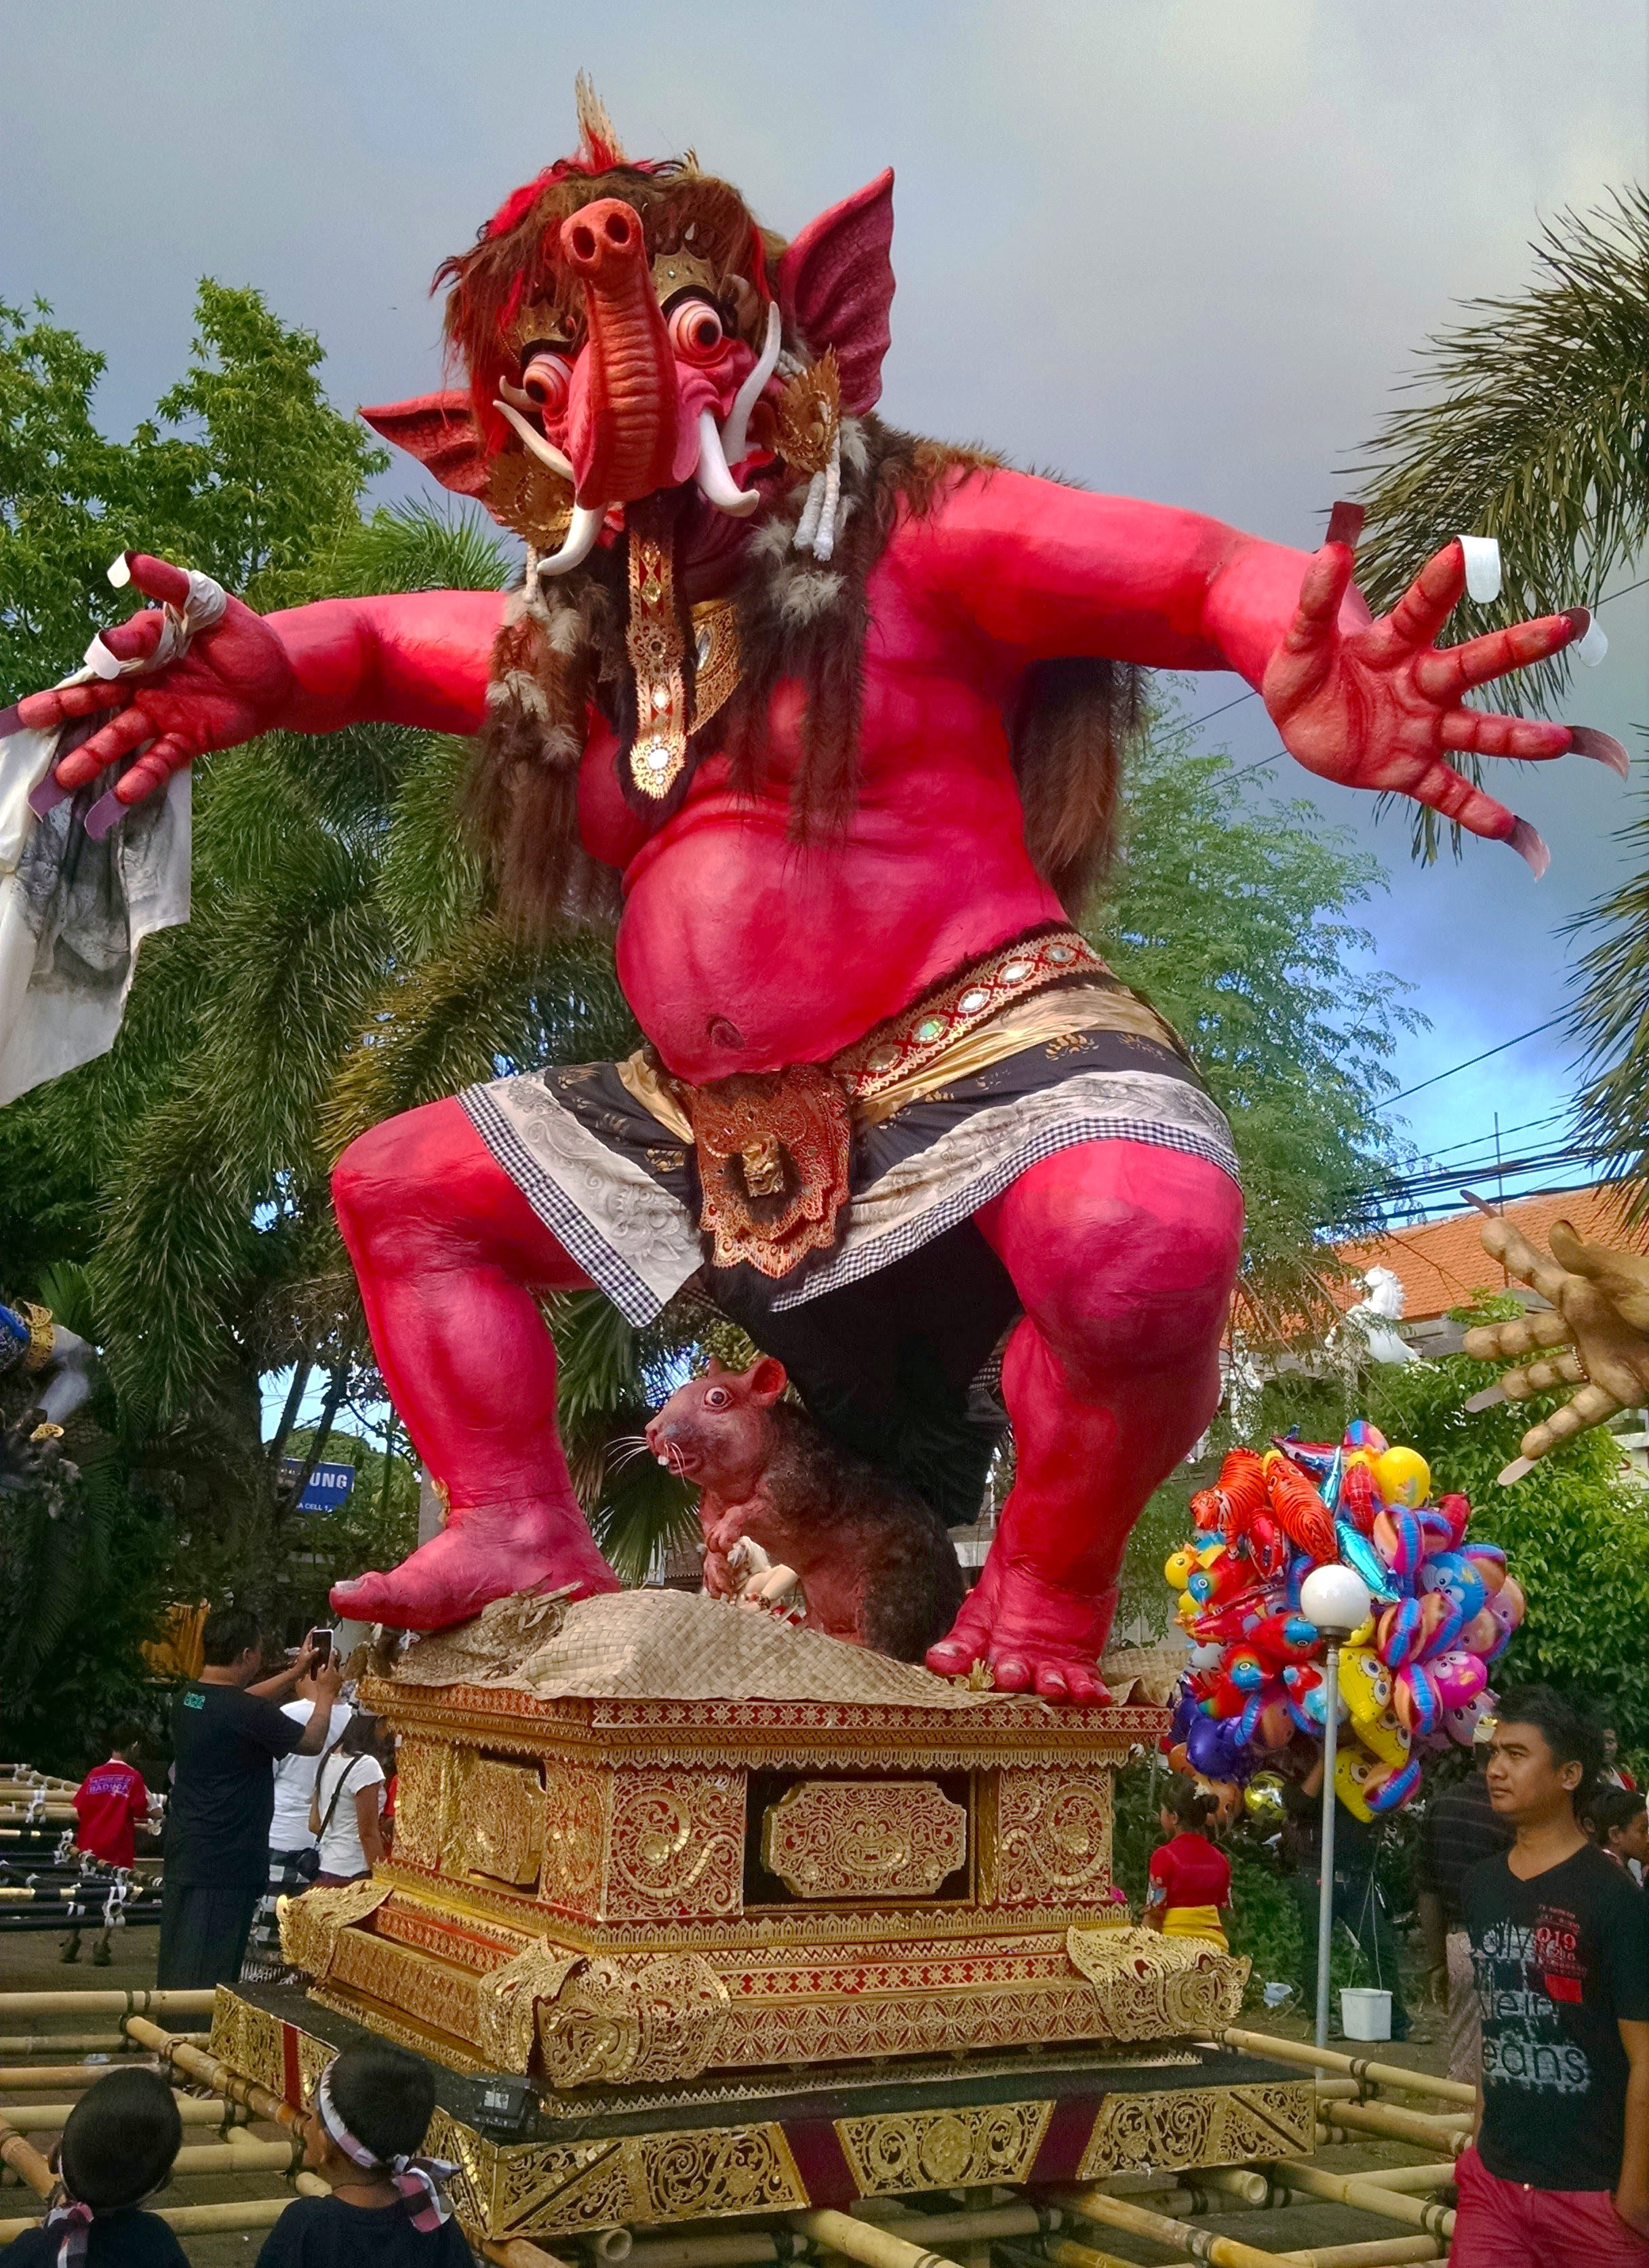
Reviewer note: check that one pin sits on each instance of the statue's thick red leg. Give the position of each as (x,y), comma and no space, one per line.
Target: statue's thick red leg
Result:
(1124,1255)
(449,1254)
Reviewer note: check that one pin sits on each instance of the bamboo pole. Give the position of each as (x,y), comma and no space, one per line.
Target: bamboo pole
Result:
(47,2117)
(1412,2180)
(1376,2252)
(1072,2255)
(27,2044)
(228,2157)
(134,2003)
(14,2076)
(989,2222)
(1117,2212)
(1375,2074)
(26,2160)
(1368,2196)
(728,2251)
(516,2252)
(861,2241)
(195,2063)
(1395,2126)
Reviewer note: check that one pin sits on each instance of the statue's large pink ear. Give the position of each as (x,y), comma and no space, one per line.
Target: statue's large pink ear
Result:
(439,429)
(835,284)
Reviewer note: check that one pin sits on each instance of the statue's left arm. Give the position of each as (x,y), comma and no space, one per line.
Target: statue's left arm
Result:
(1043,571)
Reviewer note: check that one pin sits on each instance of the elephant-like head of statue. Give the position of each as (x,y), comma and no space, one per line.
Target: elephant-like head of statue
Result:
(628,331)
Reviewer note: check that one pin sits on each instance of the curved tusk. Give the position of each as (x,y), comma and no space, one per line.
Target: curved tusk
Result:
(715,482)
(735,431)
(580,542)
(546,452)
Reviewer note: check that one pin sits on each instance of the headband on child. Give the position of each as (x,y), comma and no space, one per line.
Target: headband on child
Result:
(73,2219)
(420,2181)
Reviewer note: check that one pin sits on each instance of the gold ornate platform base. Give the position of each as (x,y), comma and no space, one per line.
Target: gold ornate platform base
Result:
(614,1893)
(826,2137)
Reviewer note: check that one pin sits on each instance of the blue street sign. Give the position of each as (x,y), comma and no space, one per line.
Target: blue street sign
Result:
(327,1487)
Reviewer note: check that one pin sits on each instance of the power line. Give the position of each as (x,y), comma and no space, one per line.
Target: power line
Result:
(1437,1076)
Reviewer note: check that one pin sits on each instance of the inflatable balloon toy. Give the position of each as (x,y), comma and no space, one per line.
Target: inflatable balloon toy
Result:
(1413,1679)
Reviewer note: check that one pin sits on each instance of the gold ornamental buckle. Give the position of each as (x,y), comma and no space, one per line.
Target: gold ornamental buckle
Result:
(772,1149)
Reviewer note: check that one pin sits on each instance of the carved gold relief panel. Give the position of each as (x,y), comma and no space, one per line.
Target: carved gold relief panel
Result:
(675,1849)
(1047,1838)
(420,1767)
(944,2149)
(493,1820)
(863,1838)
(577,1806)
(1200,2126)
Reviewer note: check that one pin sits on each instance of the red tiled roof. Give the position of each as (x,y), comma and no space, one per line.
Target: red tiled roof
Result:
(1443,1264)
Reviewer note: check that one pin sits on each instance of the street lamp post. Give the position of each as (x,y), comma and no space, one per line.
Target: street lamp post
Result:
(1336,1600)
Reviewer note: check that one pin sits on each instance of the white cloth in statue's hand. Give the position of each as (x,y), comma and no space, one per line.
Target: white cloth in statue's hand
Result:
(74,912)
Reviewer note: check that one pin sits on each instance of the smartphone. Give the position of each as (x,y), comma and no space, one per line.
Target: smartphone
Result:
(322,1641)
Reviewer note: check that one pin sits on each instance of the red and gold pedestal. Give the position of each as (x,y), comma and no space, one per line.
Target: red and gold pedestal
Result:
(755,1956)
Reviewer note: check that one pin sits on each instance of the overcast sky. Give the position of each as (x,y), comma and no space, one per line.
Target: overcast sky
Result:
(1178,248)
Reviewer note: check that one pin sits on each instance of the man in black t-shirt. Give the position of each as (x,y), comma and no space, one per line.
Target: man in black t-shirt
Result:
(226,1733)
(1560,2171)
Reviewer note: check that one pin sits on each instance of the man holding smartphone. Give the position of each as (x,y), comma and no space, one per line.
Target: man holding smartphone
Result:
(227,1731)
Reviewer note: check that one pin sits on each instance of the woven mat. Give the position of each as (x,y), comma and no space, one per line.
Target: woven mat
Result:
(675,1646)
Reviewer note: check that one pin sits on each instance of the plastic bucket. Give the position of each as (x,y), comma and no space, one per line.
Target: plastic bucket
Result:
(1364,2012)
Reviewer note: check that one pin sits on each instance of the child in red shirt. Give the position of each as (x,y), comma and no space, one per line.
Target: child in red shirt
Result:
(1190,1881)
(111,1803)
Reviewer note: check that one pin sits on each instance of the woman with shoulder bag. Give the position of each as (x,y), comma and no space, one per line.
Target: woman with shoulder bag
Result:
(343,1815)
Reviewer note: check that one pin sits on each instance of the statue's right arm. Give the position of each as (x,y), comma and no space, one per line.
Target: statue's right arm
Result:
(421,659)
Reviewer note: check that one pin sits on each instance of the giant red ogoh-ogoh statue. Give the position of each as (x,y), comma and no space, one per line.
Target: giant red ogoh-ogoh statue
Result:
(832,712)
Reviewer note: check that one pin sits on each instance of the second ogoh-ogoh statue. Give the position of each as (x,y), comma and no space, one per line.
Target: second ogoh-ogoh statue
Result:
(833,713)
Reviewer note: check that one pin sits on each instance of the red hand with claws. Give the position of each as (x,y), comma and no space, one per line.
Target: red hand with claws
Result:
(234,682)
(1382,707)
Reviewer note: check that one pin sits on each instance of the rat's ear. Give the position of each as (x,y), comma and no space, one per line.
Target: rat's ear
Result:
(766,1381)
(717,1366)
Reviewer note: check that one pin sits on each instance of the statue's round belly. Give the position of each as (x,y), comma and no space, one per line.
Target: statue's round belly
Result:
(742,950)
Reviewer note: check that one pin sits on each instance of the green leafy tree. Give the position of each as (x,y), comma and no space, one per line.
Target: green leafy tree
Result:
(1234,916)
(1529,420)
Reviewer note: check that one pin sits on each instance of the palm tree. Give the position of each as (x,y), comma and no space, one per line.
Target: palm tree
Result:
(1532,426)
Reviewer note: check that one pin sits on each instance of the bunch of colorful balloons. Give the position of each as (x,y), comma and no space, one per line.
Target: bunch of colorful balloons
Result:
(1414,1677)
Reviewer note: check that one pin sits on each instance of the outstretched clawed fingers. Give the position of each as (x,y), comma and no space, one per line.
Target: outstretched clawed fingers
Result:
(1446,675)
(129,731)
(155,767)
(1432,596)
(1479,732)
(157,579)
(59,705)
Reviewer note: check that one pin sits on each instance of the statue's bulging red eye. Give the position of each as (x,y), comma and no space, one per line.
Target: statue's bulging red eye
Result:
(696,331)
(545,382)
(718,1397)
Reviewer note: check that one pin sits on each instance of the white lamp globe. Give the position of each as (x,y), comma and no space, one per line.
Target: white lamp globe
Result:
(1336,1599)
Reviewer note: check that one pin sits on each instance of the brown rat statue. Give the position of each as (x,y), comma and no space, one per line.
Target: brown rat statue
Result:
(876,1565)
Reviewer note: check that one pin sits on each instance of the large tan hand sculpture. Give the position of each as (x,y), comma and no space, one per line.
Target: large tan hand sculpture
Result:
(1600,1310)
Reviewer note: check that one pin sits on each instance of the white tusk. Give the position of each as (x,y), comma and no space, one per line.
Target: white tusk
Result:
(546,452)
(735,431)
(715,482)
(586,526)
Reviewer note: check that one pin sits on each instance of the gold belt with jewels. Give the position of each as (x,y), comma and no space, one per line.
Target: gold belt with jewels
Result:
(773,1147)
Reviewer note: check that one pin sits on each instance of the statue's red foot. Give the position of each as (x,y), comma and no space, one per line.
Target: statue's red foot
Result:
(486,1551)
(1035,1637)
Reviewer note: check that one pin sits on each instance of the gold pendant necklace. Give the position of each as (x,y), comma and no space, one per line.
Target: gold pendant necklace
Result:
(653,640)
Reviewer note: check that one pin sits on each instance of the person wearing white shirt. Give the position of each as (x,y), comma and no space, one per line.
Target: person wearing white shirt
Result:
(343,1812)
(291,1841)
